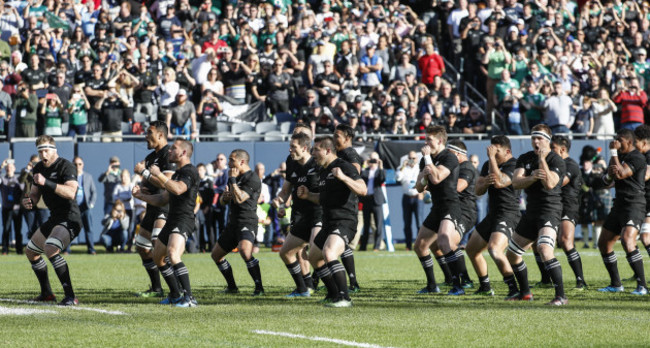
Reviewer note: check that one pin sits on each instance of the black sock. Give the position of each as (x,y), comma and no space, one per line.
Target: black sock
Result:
(40,269)
(442,262)
(338,274)
(555,272)
(521,273)
(546,278)
(576,264)
(511,282)
(171,280)
(183,277)
(347,259)
(427,264)
(253,266)
(226,270)
(326,276)
(314,280)
(308,280)
(635,259)
(485,283)
(154,276)
(454,267)
(62,271)
(464,276)
(612,268)
(296,274)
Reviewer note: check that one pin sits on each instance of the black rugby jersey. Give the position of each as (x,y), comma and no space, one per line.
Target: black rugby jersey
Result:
(181,207)
(246,212)
(350,155)
(338,201)
(59,172)
(539,197)
(631,190)
(571,191)
(647,183)
(445,192)
(467,197)
(303,175)
(503,200)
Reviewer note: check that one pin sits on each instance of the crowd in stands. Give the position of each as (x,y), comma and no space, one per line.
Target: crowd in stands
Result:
(375,64)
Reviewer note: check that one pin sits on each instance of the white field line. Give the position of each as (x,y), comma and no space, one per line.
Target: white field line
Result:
(90,309)
(23,311)
(316,338)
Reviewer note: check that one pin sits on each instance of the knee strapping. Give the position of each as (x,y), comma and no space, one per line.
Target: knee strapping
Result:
(515,248)
(645,227)
(55,243)
(143,242)
(33,247)
(155,232)
(546,240)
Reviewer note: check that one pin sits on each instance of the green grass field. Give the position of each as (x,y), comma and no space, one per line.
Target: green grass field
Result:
(387,313)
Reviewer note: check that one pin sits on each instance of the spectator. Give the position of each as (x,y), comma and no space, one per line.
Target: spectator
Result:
(5,110)
(207,112)
(12,191)
(497,59)
(111,114)
(116,225)
(205,214)
(431,64)
(558,110)
(86,197)
(603,108)
(142,94)
(374,176)
(407,174)
(52,113)
(110,178)
(476,122)
(78,106)
(122,192)
(632,100)
(279,83)
(370,67)
(181,117)
(26,106)
(219,173)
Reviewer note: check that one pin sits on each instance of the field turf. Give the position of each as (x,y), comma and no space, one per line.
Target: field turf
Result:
(386,313)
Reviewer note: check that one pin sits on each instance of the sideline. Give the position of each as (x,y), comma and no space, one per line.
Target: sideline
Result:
(316,338)
(90,309)
(23,311)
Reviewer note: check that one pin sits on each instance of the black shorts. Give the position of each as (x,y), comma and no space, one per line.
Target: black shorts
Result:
(344,229)
(620,217)
(572,214)
(301,227)
(467,221)
(150,216)
(73,227)
(434,218)
(502,223)
(234,233)
(183,229)
(531,222)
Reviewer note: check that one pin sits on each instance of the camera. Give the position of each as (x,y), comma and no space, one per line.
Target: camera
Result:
(372,161)
(115,166)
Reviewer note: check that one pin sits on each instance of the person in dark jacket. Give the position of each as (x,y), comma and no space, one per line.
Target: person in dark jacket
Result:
(374,176)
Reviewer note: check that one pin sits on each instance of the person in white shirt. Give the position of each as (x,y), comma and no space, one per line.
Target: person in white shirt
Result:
(412,203)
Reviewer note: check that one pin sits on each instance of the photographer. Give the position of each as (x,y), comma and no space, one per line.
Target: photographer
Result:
(52,112)
(632,101)
(26,106)
(208,110)
(374,176)
(78,107)
(497,59)
(111,113)
(110,178)
(116,226)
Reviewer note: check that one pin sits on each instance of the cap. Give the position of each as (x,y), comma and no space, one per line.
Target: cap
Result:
(520,21)
(114,159)
(523,32)
(575,83)
(513,29)
(182,91)
(320,43)
(358,99)
(375,117)
(463,104)
(268,41)
(370,45)
(640,51)
(352,115)
(401,110)
(433,94)
(180,56)
(389,104)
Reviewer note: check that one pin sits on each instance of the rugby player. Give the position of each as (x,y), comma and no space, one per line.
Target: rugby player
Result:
(55,179)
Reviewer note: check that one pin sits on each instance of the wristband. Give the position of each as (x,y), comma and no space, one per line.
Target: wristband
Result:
(427,160)
(50,184)
(613,152)
(146,174)
(232,181)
